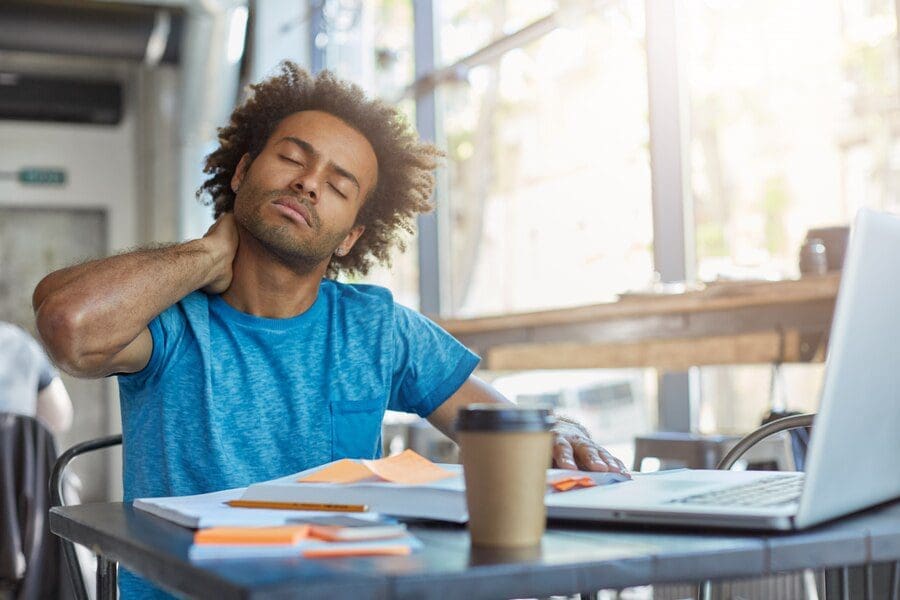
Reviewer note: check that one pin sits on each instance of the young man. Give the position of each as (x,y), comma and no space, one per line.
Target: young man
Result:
(239,357)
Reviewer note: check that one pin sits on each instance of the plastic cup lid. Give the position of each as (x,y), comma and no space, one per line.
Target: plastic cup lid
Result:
(503,417)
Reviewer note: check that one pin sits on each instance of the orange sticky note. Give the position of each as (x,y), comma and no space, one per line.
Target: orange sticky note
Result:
(326,552)
(343,471)
(567,483)
(287,535)
(564,486)
(407,467)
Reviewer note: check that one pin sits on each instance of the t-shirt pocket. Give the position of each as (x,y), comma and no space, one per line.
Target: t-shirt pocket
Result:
(357,427)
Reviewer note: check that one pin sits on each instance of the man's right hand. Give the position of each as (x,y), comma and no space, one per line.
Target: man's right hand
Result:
(222,242)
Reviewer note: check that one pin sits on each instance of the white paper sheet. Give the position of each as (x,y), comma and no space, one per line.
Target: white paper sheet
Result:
(210,510)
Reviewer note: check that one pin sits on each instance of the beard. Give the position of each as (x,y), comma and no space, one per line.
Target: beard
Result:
(301,254)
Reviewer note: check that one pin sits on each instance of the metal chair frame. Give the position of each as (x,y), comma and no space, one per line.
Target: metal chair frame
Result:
(106,569)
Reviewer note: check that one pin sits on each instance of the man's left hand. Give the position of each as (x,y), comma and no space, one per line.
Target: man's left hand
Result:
(573,448)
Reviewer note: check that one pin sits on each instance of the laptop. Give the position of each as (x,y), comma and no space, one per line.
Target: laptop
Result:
(851,463)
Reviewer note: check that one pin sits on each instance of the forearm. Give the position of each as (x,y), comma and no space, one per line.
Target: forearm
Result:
(93,310)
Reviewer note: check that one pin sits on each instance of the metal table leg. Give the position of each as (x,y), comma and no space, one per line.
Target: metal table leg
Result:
(106,579)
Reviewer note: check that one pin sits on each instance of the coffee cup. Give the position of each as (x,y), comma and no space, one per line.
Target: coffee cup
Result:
(505,452)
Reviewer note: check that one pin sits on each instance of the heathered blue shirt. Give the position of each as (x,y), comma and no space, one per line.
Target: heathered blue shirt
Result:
(229,399)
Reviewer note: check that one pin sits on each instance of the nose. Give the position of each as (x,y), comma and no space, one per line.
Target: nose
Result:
(307,186)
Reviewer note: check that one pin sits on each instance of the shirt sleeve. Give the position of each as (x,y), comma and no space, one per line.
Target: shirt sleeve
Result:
(45,370)
(166,329)
(429,363)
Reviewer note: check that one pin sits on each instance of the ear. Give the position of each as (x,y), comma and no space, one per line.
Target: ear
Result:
(347,244)
(239,172)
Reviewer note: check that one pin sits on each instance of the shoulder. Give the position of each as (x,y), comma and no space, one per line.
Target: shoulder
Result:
(359,300)
(183,319)
(357,293)
(187,309)
(14,339)
(13,333)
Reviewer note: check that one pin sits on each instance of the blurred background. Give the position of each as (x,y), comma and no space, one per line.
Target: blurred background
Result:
(597,151)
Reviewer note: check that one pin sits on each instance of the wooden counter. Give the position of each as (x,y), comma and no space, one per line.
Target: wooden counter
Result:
(725,323)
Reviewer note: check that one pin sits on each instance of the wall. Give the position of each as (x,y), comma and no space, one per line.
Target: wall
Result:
(102,178)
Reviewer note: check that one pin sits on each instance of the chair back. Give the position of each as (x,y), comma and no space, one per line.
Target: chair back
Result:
(57,498)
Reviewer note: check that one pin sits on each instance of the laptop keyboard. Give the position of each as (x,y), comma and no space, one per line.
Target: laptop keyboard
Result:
(771,491)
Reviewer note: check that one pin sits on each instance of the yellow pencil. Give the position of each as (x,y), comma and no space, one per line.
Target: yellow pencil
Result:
(298,506)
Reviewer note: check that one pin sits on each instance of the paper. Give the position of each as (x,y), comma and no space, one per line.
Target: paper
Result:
(307,548)
(287,534)
(328,552)
(211,510)
(407,468)
(342,471)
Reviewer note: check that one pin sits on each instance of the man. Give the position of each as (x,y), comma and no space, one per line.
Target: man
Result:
(239,357)
(29,385)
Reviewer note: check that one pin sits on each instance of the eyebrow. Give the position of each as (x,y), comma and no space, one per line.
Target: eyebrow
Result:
(311,150)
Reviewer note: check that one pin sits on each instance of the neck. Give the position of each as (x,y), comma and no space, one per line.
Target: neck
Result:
(264,286)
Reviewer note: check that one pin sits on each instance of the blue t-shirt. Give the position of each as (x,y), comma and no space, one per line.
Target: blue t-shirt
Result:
(228,399)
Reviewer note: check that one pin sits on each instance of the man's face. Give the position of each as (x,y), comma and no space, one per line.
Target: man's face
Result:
(299,198)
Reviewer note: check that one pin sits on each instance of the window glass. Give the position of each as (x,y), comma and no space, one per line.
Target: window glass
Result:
(795,123)
(467,25)
(548,168)
(371,44)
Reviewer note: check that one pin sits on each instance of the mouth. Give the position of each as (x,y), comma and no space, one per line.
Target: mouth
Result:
(294,210)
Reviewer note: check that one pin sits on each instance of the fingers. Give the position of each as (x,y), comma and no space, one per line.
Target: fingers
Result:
(590,457)
(583,454)
(587,457)
(563,457)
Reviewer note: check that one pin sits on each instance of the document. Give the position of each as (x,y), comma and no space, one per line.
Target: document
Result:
(212,510)
(406,485)
(401,486)
(306,548)
(321,537)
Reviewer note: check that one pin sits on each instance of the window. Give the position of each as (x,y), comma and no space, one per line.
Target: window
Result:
(371,44)
(794,123)
(549,179)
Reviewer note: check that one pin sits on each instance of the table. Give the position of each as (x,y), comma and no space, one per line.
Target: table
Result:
(723,324)
(574,558)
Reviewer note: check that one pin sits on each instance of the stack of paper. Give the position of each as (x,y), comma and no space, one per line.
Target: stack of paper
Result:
(405,485)
(212,510)
(297,541)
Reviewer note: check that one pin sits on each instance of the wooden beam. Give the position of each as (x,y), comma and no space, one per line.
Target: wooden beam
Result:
(715,297)
(669,354)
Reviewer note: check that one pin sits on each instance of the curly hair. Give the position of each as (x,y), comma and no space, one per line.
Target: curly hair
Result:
(405,164)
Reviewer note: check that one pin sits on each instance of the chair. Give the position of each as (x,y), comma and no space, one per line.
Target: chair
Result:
(701,451)
(106,569)
(30,556)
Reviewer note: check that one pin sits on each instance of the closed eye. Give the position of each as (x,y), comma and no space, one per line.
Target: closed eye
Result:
(291,160)
(340,193)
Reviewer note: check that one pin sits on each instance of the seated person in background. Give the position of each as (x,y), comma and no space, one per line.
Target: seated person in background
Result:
(240,357)
(29,385)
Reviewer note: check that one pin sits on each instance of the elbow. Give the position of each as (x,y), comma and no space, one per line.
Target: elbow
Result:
(41,292)
(60,328)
